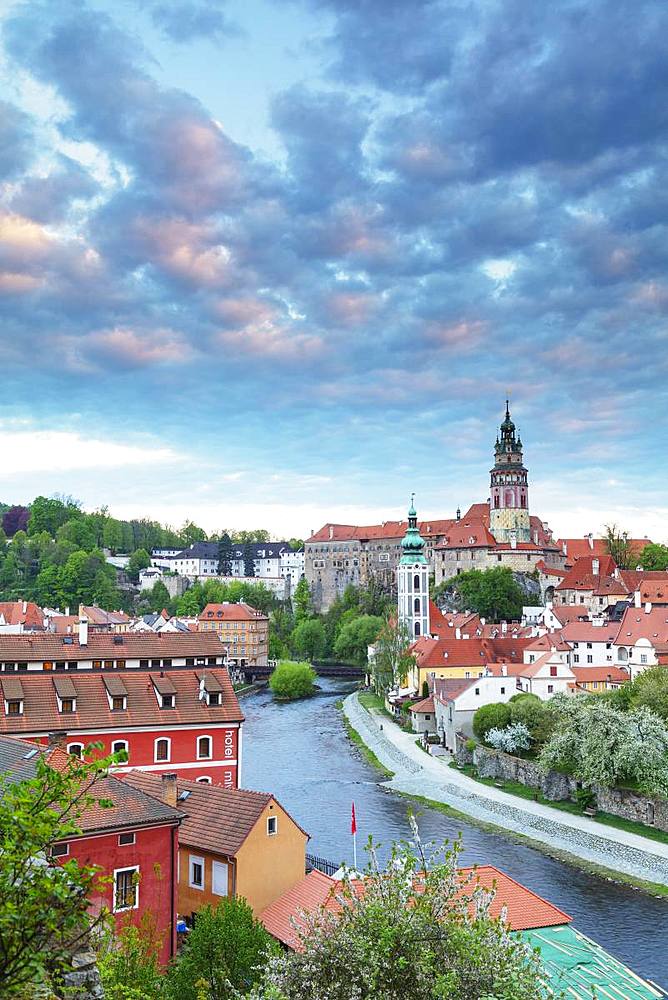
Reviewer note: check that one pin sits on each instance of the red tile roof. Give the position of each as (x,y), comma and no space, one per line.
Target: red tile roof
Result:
(542,567)
(231,613)
(388,529)
(40,705)
(25,613)
(217,819)
(108,646)
(639,624)
(615,674)
(587,632)
(577,548)
(523,909)
(426,705)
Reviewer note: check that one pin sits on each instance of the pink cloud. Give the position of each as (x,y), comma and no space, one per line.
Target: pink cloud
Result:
(131,348)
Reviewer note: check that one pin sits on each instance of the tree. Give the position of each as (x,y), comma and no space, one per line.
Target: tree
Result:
(407,936)
(650,688)
(515,737)
(292,680)
(296,544)
(249,559)
(78,532)
(225,555)
(191,533)
(254,535)
(43,904)
(128,962)
(392,660)
(138,560)
(225,952)
(535,714)
(15,519)
(191,602)
(618,546)
(492,593)
(112,535)
(157,597)
(301,601)
(353,641)
(49,513)
(494,716)
(654,557)
(309,639)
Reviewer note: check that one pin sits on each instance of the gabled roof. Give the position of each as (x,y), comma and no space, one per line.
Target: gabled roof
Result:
(228,612)
(40,704)
(581,576)
(447,689)
(424,706)
(577,548)
(605,673)
(25,613)
(547,642)
(588,632)
(639,624)
(217,819)
(108,646)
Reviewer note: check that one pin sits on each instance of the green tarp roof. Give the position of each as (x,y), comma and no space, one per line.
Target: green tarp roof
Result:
(581,969)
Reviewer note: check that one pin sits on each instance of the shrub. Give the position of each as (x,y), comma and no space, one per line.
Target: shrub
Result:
(471,744)
(514,737)
(292,680)
(494,716)
(535,715)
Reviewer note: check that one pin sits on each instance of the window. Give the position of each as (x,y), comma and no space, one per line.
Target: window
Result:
(167,701)
(76,749)
(60,850)
(161,749)
(643,657)
(590,659)
(214,698)
(589,646)
(595,684)
(219,878)
(417,628)
(119,703)
(416,606)
(118,745)
(416,582)
(126,888)
(477,690)
(550,688)
(204,780)
(553,671)
(67,705)
(503,690)
(125,839)
(14,707)
(120,664)
(196,872)
(108,664)
(204,748)
(272,826)
(143,663)
(576,657)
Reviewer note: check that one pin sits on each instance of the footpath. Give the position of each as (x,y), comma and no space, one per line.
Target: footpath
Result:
(416,773)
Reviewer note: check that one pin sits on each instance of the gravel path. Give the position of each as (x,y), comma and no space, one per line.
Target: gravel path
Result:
(416,773)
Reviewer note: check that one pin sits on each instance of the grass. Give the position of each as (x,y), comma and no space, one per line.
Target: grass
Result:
(368,754)
(534,795)
(609,874)
(369,700)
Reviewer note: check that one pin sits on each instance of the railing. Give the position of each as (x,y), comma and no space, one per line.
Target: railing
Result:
(322,864)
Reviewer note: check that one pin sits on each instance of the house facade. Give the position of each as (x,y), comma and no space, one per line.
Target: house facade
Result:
(243,630)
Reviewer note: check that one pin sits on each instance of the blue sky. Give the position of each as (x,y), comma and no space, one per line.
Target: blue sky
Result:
(277,262)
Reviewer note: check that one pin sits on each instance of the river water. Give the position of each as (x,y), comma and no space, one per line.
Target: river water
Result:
(299,751)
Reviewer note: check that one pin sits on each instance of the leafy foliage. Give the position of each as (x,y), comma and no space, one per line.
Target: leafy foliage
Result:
(292,679)
(392,660)
(513,738)
(535,714)
(301,601)
(309,639)
(492,593)
(654,557)
(617,544)
(494,716)
(406,937)
(128,961)
(356,636)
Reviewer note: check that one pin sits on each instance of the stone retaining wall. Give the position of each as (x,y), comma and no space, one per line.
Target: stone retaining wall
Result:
(558,787)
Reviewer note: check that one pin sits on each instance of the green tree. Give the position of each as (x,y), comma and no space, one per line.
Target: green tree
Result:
(140,559)
(309,639)
(224,953)
(492,593)
(301,601)
(618,546)
(650,688)
(78,532)
(191,602)
(296,544)
(43,904)
(494,716)
(47,587)
(190,533)
(157,597)
(654,557)
(535,715)
(254,535)
(291,680)
(225,555)
(353,641)
(407,937)
(249,558)
(112,535)
(128,962)
(392,660)
(49,513)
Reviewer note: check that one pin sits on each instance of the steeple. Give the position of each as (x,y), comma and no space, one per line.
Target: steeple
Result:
(509,492)
(412,544)
(413,579)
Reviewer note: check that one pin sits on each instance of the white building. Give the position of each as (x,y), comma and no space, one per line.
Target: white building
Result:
(413,580)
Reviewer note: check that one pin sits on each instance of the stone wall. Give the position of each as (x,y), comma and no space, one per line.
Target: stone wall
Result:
(558,787)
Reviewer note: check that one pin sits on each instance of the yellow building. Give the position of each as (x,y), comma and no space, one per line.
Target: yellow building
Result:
(232,842)
(243,629)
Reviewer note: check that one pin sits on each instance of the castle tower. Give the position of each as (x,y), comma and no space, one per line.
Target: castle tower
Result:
(413,579)
(509,492)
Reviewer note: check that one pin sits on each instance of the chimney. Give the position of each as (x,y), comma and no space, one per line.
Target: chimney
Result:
(83,631)
(459,514)
(504,627)
(595,566)
(25,607)
(331,532)
(590,539)
(169,789)
(535,538)
(648,607)
(504,670)
(67,610)
(482,621)
(636,599)
(564,547)
(458,633)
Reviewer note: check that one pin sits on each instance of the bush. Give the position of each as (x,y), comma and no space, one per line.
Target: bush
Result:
(494,716)
(292,680)
(514,737)
(471,744)
(531,712)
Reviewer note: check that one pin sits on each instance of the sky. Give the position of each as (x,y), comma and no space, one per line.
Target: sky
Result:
(274,263)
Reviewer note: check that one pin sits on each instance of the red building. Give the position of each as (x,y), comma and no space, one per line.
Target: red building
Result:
(134,842)
(181,720)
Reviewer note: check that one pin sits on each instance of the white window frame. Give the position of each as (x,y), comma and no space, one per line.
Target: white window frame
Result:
(204,779)
(60,854)
(215,865)
(79,755)
(124,909)
(160,760)
(274,832)
(209,756)
(127,833)
(194,859)
(125,746)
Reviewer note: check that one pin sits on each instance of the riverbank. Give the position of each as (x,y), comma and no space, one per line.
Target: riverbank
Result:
(613,854)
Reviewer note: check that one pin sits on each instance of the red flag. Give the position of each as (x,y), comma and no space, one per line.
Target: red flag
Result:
(353,822)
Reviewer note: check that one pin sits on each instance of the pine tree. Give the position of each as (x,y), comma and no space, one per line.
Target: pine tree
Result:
(225,555)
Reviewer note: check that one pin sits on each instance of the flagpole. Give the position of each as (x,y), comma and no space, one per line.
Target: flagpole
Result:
(355,850)
(353,830)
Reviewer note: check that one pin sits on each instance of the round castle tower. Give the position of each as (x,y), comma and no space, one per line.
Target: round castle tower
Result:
(509,492)
(413,579)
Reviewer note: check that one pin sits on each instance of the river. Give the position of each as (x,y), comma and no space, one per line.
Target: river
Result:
(300,752)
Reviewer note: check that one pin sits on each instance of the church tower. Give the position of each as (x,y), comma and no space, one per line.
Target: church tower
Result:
(413,579)
(509,492)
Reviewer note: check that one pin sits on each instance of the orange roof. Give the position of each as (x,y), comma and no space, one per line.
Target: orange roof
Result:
(587,632)
(639,624)
(25,613)
(547,642)
(577,548)
(388,529)
(240,612)
(426,705)
(108,646)
(546,570)
(523,909)
(610,673)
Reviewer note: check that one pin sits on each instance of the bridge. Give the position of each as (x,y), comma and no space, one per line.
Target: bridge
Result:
(345,670)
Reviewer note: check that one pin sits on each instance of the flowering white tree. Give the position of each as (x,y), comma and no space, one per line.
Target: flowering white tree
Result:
(415,932)
(511,738)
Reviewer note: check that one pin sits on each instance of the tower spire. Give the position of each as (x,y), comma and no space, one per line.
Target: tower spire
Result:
(413,578)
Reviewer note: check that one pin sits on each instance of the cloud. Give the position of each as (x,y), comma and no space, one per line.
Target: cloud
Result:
(48,198)
(183,22)
(48,451)
(16,140)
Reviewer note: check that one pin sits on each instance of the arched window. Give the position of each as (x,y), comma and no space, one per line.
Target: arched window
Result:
(416,605)
(496,499)
(119,745)
(161,750)
(622,655)
(416,582)
(204,780)
(417,628)
(76,749)
(204,748)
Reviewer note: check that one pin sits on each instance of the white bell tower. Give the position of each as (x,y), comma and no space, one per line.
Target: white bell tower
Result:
(413,580)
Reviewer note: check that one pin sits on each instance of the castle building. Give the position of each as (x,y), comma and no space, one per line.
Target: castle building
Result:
(509,488)
(413,579)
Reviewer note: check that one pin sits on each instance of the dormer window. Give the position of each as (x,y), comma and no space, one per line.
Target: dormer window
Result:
(165,691)
(68,705)
(167,701)
(12,690)
(14,707)
(119,703)
(214,698)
